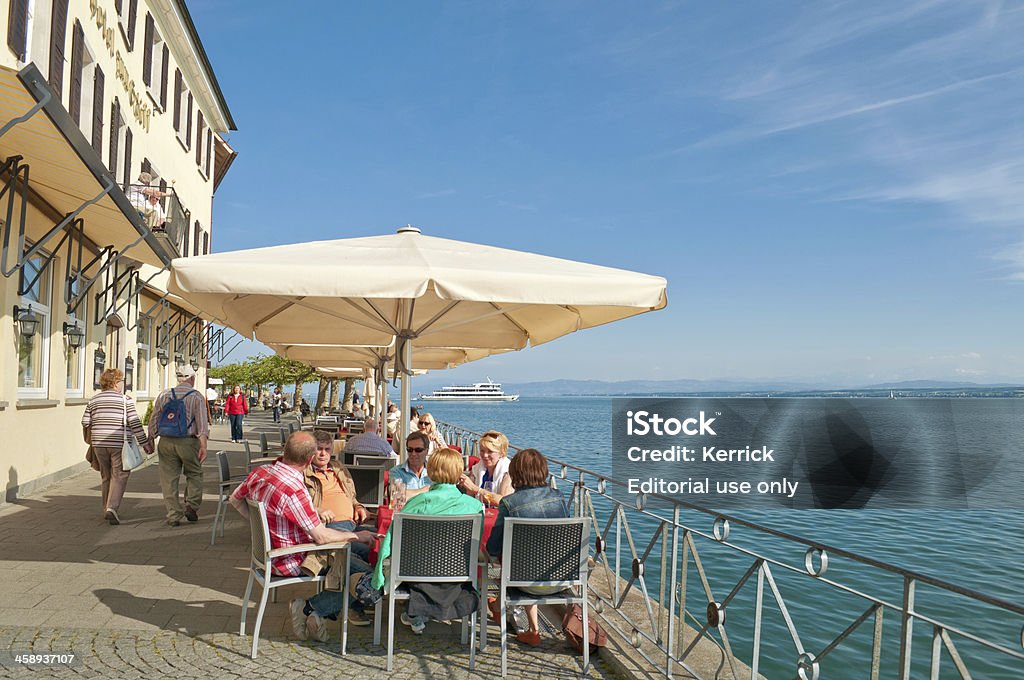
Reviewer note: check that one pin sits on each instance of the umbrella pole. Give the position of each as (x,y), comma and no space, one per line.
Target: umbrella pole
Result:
(406,395)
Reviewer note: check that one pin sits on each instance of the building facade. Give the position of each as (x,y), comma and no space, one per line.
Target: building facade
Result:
(112,145)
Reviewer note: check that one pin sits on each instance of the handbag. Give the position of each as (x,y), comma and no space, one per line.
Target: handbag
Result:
(572,626)
(131,456)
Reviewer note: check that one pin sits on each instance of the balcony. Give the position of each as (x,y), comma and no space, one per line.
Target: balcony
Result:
(163,214)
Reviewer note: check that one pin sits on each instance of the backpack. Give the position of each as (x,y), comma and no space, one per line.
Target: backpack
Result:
(173,420)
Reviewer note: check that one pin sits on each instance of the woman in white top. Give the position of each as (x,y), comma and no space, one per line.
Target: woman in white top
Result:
(489,480)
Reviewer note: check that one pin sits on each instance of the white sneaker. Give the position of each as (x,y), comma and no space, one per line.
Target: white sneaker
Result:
(298,618)
(417,628)
(111,516)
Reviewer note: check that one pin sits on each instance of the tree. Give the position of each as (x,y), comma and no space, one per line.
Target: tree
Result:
(346,402)
(321,394)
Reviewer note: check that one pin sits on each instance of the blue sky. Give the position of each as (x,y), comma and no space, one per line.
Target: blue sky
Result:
(834,190)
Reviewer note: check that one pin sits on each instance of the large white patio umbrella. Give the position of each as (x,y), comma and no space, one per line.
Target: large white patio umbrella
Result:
(424,291)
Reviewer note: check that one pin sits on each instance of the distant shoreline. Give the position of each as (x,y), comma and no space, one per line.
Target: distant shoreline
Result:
(975,393)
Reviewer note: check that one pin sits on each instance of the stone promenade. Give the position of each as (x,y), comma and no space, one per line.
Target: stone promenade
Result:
(147,600)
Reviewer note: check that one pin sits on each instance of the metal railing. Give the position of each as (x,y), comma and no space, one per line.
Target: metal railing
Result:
(826,626)
(165,216)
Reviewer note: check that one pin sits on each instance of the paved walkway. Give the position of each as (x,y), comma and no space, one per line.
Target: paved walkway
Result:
(146,600)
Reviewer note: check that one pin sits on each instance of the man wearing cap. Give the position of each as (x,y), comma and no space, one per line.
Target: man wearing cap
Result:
(185,453)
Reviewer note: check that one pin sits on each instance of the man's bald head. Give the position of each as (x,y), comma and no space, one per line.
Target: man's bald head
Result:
(299,448)
(370,425)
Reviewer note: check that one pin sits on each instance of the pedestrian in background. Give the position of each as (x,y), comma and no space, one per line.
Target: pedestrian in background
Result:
(104,423)
(236,407)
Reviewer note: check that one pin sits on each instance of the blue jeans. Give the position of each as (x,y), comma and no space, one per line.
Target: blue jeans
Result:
(360,551)
(277,414)
(236,426)
(329,602)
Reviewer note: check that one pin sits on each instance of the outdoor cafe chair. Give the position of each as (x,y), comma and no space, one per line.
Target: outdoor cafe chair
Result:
(284,436)
(255,461)
(415,558)
(369,483)
(226,483)
(374,460)
(261,571)
(548,553)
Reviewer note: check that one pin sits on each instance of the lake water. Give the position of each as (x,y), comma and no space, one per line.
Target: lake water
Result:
(976,549)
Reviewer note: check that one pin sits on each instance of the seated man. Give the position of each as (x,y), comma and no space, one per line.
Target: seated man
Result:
(334,492)
(293,521)
(368,441)
(411,477)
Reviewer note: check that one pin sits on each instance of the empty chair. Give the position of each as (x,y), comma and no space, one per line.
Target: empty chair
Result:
(255,461)
(284,436)
(261,571)
(374,460)
(416,558)
(369,483)
(544,554)
(226,483)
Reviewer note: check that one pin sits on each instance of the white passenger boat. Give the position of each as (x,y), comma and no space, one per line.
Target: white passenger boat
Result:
(482,391)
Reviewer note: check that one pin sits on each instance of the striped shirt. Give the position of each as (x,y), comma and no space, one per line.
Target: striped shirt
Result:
(290,513)
(104,416)
(196,410)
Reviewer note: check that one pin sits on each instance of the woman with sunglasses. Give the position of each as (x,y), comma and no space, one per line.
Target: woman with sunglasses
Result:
(488,480)
(429,428)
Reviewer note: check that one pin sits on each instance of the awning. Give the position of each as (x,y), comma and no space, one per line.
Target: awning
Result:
(64,169)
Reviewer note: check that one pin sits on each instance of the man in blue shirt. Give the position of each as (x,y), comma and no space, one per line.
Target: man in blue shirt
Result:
(413,474)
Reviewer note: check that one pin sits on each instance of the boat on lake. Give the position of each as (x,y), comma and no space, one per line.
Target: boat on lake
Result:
(481,391)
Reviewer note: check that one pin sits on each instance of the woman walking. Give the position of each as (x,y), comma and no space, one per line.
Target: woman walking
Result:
(104,424)
(236,406)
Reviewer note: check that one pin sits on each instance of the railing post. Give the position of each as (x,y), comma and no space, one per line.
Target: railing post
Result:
(672,593)
(907,629)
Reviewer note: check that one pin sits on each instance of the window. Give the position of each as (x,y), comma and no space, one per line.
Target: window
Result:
(206,243)
(182,110)
(75,358)
(143,333)
(120,144)
(17,29)
(200,134)
(77,69)
(34,351)
(127,10)
(155,63)
(195,239)
(58,38)
(85,101)
(209,151)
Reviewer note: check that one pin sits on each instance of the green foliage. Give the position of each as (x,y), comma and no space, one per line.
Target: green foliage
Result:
(149,412)
(263,370)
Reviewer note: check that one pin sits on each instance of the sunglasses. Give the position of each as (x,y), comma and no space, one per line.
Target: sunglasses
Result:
(419,449)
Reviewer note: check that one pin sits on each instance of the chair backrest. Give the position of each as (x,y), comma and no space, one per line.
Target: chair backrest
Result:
(435,548)
(327,420)
(293,427)
(354,426)
(373,460)
(259,531)
(284,436)
(223,468)
(550,551)
(369,483)
(264,444)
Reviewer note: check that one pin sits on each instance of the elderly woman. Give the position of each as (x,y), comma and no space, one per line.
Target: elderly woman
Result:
(488,480)
(103,428)
(428,426)
(532,498)
(444,469)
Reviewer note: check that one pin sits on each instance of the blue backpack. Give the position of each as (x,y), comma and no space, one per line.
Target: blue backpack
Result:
(174,419)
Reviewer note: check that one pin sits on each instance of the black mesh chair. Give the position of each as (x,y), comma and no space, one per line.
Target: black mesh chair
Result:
(261,565)
(226,483)
(373,460)
(369,483)
(284,436)
(416,558)
(544,553)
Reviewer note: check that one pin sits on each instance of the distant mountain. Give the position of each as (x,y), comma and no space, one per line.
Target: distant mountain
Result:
(934,385)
